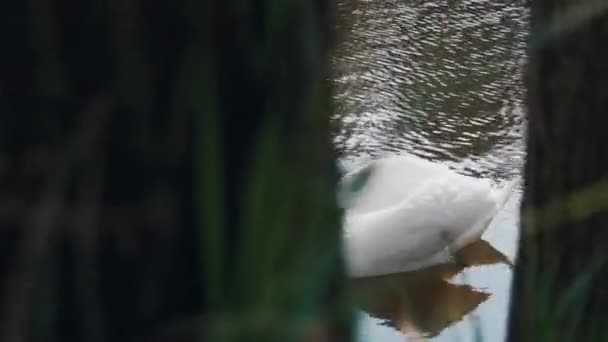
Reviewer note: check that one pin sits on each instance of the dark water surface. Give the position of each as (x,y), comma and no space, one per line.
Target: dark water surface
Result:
(441,80)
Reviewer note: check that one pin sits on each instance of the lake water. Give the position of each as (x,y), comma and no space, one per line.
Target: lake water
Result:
(441,80)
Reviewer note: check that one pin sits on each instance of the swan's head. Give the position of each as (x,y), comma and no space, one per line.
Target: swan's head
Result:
(351,185)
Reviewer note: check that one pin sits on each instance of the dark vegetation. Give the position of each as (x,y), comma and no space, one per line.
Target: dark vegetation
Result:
(560,283)
(167,173)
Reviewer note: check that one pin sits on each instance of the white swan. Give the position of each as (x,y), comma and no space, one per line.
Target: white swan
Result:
(404,213)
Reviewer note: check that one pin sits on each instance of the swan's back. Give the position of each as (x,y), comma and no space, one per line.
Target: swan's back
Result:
(392,180)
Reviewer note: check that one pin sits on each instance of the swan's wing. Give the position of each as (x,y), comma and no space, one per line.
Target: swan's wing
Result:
(467,205)
(390,248)
(421,231)
(491,201)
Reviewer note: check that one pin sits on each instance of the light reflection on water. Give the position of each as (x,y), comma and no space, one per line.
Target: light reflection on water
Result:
(452,313)
(436,80)
(425,302)
(441,80)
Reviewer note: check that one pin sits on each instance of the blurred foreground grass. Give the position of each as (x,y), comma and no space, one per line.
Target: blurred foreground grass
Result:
(167,175)
(174,172)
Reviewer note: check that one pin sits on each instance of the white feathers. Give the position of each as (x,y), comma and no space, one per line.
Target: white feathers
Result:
(405,213)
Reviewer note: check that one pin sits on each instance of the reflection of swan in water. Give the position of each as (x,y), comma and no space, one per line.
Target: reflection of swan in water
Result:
(423,302)
(405,213)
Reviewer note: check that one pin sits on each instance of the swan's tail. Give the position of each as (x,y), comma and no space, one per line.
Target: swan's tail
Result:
(504,193)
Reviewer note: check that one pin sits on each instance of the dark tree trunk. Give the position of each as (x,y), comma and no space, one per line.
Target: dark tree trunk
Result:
(166,171)
(561,275)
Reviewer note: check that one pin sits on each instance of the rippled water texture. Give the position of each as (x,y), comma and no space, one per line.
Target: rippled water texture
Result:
(441,80)
(437,79)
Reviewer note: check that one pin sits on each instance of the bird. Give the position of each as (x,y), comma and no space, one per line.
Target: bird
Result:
(405,213)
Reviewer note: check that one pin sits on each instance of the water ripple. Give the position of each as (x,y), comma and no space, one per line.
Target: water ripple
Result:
(437,79)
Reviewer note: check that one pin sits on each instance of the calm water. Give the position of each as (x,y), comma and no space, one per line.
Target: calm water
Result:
(439,79)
